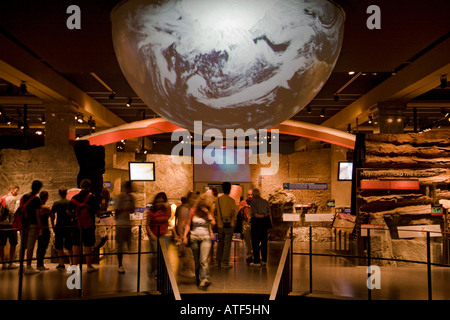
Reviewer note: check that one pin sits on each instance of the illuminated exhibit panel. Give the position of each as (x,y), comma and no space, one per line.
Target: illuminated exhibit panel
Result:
(141,171)
(234,168)
(345,170)
(231,64)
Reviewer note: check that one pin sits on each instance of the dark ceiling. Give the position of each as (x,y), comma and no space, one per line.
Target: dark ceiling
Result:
(408,30)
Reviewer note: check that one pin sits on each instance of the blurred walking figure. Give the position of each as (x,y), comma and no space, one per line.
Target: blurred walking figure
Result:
(125,204)
(199,225)
(157,227)
(182,214)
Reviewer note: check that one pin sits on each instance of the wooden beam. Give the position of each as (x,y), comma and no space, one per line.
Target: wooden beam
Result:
(20,100)
(417,78)
(18,65)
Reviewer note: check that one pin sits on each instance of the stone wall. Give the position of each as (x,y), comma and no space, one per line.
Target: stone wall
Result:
(54,166)
(312,166)
(176,180)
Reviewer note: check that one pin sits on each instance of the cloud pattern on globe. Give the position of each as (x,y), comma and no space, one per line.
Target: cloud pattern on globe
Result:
(231,64)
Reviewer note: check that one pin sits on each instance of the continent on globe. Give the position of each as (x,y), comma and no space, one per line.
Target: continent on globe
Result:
(227,63)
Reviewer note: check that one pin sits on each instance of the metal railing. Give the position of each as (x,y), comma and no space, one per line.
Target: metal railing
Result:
(166,283)
(282,286)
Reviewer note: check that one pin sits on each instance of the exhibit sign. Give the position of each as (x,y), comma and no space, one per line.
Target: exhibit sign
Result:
(344,222)
(437,211)
(305,186)
(419,231)
(390,185)
(138,214)
(319,217)
(291,217)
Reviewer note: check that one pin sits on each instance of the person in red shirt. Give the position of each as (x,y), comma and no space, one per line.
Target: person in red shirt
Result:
(157,227)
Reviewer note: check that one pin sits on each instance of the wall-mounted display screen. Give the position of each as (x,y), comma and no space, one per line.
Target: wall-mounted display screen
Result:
(345,171)
(141,171)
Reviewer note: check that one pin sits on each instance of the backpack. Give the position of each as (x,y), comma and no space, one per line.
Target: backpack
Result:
(21,214)
(83,213)
(4,212)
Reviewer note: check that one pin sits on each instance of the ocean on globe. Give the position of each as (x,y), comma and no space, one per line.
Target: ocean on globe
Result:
(228,63)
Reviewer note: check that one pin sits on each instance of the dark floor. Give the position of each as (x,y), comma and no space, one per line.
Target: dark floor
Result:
(333,277)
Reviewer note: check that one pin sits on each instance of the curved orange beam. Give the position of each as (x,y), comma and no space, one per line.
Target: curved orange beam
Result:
(159,125)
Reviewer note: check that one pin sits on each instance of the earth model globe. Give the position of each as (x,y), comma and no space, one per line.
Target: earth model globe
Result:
(232,64)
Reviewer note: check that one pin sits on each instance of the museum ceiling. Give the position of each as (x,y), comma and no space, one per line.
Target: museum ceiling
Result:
(391,63)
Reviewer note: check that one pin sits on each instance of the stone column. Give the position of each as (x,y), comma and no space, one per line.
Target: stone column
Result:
(389,117)
(60,125)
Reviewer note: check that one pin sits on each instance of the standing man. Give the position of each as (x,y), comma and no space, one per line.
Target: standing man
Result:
(32,227)
(8,207)
(226,220)
(125,205)
(260,223)
(84,218)
(64,228)
(244,208)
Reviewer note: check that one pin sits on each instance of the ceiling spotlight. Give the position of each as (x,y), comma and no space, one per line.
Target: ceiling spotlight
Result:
(393,73)
(349,128)
(112,95)
(445,113)
(351,73)
(80,118)
(129,102)
(39,132)
(370,119)
(308,109)
(336,98)
(322,113)
(43,119)
(443,84)
(23,88)
(364,74)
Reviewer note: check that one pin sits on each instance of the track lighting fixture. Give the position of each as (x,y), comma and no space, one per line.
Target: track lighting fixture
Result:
(443,84)
(130,101)
(112,95)
(80,118)
(308,109)
(349,128)
(43,119)
(370,119)
(23,88)
(336,98)
(322,113)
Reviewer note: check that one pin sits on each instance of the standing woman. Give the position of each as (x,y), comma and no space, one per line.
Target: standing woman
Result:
(157,227)
(199,224)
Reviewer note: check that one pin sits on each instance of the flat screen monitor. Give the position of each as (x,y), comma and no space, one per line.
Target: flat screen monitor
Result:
(141,171)
(345,171)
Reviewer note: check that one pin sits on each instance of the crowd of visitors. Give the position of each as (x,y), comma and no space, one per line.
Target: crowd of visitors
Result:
(199,221)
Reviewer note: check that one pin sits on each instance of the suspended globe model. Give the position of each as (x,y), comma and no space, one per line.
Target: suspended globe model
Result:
(229,63)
